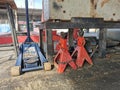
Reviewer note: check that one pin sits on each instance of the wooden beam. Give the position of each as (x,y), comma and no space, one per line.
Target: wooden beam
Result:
(49,48)
(12,26)
(41,40)
(10,2)
(102,42)
(66,25)
(70,36)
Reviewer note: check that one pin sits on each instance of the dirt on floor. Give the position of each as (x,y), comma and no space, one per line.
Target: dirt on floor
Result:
(103,75)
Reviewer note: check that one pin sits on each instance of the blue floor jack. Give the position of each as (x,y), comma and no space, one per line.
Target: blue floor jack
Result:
(30,56)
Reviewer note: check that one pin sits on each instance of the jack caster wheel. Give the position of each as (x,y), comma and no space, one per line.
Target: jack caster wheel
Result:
(15,71)
(47,66)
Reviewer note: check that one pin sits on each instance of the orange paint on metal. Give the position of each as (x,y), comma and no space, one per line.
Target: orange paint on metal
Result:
(62,44)
(63,58)
(82,54)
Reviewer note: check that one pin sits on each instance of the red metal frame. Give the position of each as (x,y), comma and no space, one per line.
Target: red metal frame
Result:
(7,38)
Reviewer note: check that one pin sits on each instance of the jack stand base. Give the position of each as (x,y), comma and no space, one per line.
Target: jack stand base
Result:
(82,55)
(62,59)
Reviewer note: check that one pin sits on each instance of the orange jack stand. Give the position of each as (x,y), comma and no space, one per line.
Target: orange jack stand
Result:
(63,57)
(58,47)
(81,52)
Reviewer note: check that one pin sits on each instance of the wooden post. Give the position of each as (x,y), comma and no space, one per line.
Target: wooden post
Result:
(12,26)
(70,37)
(49,48)
(102,42)
(16,20)
(41,40)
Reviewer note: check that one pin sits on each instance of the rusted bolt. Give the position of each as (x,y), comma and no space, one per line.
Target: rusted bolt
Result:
(113,14)
(64,11)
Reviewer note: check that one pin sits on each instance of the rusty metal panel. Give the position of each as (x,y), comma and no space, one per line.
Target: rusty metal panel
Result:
(46,10)
(108,9)
(10,2)
(65,9)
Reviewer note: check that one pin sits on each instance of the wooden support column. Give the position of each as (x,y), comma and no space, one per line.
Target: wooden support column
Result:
(102,42)
(12,26)
(16,20)
(41,40)
(70,37)
(49,48)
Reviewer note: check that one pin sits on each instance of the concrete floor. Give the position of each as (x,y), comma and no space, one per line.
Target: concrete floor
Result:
(103,75)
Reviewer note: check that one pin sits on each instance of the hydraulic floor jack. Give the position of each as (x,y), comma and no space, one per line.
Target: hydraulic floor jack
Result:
(30,56)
